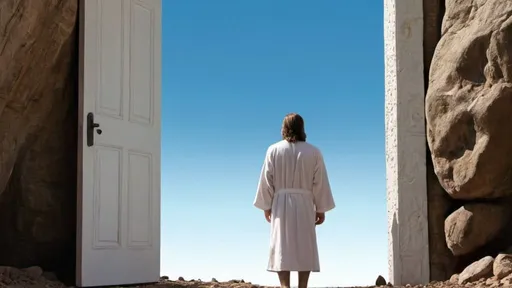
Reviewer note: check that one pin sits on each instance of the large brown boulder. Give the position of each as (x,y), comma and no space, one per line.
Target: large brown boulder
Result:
(474,225)
(469,100)
(38,98)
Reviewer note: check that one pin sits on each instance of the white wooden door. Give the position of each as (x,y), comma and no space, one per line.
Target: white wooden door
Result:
(118,239)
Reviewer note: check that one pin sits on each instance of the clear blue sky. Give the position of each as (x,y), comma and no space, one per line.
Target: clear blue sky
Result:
(231,71)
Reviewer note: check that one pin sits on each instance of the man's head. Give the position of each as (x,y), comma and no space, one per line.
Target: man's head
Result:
(293,128)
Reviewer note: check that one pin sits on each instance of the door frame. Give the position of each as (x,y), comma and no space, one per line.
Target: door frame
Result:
(406,173)
(80,144)
(405,142)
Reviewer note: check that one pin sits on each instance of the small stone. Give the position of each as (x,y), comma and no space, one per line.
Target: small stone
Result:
(214,280)
(454,279)
(477,270)
(164,278)
(490,281)
(502,266)
(380,281)
(181,279)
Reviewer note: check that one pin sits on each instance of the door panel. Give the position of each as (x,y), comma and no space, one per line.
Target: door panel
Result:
(119,193)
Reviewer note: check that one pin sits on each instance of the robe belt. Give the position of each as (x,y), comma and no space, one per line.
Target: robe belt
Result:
(294,191)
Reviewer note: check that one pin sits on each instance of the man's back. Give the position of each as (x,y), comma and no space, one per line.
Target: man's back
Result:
(294,164)
(294,193)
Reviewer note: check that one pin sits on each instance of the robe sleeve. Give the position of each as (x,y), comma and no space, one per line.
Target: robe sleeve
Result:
(265,192)
(321,188)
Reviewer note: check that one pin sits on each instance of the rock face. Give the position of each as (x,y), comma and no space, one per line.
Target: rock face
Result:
(38,123)
(468,108)
(469,100)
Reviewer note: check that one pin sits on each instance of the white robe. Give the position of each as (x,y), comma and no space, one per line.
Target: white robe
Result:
(294,184)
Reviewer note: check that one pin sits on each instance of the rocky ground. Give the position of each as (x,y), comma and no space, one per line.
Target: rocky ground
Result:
(236,284)
(34,277)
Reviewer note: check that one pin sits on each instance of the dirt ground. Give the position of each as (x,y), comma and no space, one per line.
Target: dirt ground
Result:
(34,277)
(238,284)
(232,284)
(43,283)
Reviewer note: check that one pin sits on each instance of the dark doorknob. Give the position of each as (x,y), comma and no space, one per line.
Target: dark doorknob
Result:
(90,129)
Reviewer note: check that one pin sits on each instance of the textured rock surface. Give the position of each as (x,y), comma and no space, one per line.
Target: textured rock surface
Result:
(502,266)
(469,100)
(38,132)
(474,272)
(468,109)
(474,225)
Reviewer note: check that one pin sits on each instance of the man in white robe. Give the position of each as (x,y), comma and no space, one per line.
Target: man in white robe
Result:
(294,193)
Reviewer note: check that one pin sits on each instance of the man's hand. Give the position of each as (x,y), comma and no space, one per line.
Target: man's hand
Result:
(268,214)
(320,218)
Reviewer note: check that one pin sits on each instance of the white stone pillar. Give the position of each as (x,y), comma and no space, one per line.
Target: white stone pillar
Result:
(406,143)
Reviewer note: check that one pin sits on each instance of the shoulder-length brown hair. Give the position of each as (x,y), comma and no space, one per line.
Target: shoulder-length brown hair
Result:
(293,128)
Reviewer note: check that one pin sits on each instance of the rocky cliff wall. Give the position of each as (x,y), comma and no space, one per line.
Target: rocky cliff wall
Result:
(469,114)
(38,123)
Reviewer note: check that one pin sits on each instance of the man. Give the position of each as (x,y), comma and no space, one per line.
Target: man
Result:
(294,193)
